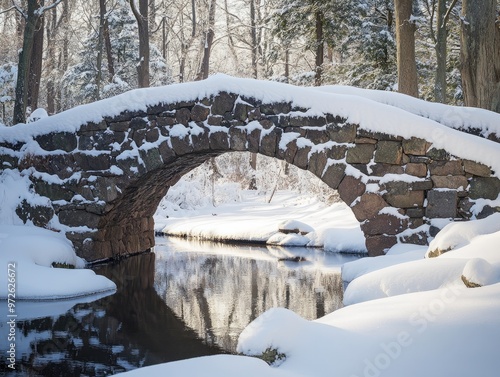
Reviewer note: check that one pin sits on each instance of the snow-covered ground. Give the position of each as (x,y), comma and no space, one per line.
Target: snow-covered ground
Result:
(27,255)
(252,218)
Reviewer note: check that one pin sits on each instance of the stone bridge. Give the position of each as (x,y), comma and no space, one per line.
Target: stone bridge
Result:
(103,176)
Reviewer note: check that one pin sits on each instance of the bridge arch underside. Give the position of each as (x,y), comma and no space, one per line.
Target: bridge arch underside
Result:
(112,175)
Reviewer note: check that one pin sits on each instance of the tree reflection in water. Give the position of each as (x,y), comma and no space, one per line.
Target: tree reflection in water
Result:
(218,289)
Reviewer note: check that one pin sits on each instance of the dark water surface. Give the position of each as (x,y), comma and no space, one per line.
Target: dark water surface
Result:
(186,299)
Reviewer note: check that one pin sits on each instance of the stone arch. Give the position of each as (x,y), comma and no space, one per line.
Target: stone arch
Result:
(104,181)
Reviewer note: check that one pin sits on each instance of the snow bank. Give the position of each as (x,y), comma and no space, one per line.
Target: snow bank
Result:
(31,251)
(355,269)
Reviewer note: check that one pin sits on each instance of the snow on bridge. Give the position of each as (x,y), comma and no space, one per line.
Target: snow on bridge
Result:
(98,171)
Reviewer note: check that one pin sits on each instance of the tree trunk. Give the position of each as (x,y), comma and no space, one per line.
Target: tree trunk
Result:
(405,41)
(208,42)
(35,71)
(24,63)
(253,34)
(480,54)
(441,36)
(141,15)
(107,39)
(319,48)
(253,168)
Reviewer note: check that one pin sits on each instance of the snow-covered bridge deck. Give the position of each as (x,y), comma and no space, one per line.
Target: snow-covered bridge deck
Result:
(98,171)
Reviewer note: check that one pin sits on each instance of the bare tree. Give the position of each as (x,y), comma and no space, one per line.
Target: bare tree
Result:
(141,15)
(208,41)
(405,40)
(480,54)
(32,14)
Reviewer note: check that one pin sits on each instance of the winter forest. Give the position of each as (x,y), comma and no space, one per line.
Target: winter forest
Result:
(57,54)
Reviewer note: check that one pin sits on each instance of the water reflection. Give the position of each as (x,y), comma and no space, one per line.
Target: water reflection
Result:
(219,293)
(185,300)
(124,331)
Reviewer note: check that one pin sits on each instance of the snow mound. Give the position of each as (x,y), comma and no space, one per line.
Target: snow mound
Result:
(276,324)
(31,252)
(294,226)
(478,272)
(458,234)
(292,239)
(416,276)
(38,114)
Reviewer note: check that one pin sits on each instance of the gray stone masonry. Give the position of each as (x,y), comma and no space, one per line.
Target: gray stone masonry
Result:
(110,176)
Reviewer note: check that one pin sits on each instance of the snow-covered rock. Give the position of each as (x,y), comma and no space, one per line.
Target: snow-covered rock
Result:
(478,272)
(458,234)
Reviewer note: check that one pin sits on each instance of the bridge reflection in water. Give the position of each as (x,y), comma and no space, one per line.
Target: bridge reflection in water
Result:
(172,305)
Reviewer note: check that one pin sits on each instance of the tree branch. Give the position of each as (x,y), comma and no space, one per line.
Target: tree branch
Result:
(448,13)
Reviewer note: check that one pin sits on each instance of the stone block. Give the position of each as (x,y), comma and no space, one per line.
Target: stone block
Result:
(379,244)
(365,140)
(183,116)
(317,163)
(223,103)
(268,144)
(441,204)
(360,154)
(368,206)
(39,215)
(301,159)
(166,152)
(253,141)
(65,141)
(345,133)
(351,188)
(151,158)
(416,169)
(181,145)
(380,169)
(333,175)
(422,185)
(415,212)
(152,135)
(219,141)
(238,139)
(446,168)
(337,152)
(384,224)
(389,152)
(484,188)
(88,162)
(317,136)
(199,113)
(408,200)
(438,154)
(76,218)
(119,126)
(415,146)
(138,123)
(455,182)
(476,168)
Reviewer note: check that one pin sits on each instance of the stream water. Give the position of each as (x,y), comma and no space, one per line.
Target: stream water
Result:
(185,299)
